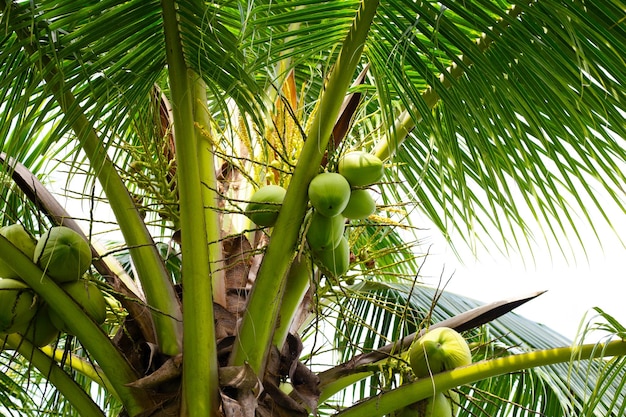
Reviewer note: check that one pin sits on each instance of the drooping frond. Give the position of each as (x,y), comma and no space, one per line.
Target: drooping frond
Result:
(109,55)
(529,110)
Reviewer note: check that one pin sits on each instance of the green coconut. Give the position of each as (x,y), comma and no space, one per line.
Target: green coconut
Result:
(361,168)
(40,331)
(438,405)
(438,350)
(18,236)
(325,232)
(334,261)
(360,206)
(63,254)
(88,296)
(265,204)
(442,404)
(18,305)
(329,193)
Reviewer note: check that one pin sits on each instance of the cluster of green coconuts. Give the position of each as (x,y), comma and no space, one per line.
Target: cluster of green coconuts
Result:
(335,197)
(438,350)
(339,196)
(65,256)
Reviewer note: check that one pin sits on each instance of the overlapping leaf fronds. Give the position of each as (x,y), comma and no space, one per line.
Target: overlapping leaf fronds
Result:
(546,88)
(371,314)
(527,131)
(109,54)
(305,32)
(26,391)
(13,395)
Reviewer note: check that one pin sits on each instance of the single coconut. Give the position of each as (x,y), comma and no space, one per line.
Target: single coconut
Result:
(438,350)
(334,261)
(438,405)
(360,206)
(325,232)
(265,204)
(361,168)
(329,193)
(40,331)
(63,254)
(18,305)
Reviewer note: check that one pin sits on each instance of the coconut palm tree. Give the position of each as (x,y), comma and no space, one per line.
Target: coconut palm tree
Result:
(162,119)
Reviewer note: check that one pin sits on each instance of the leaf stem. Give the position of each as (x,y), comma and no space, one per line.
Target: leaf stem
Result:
(255,335)
(423,388)
(298,281)
(208,179)
(200,367)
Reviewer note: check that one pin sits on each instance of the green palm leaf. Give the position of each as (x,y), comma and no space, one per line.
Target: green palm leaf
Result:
(111,54)
(486,147)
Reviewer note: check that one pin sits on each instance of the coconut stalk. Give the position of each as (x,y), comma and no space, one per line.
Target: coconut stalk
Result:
(422,388)
(255,334)
(200,367)
(297,285)
(72,392)
(208,179)
(150,268)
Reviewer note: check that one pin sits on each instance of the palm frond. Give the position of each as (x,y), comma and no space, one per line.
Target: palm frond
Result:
(297,30)
(110,55)
(523,133)
(26,390)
